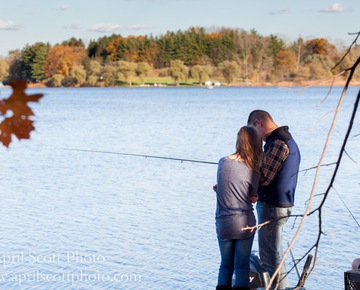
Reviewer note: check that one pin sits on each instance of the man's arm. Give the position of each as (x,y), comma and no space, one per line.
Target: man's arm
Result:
(273,160)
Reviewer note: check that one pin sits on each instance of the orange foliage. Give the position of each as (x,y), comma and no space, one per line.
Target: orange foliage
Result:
(213,35)
(130,37)
(148,54)
(61,59)
(141,37)
(286,60)
(320,46)
(112,48)
(131,55)
(19,122)
(133,49)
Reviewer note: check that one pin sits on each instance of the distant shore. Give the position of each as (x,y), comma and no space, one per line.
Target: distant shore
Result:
(321,83)
(240,85)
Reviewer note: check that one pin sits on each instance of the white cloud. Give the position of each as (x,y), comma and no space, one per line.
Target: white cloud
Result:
(9,25)
(73,26)
(136,27)
(105,27)
(65,7)
(334,8)
(280,11)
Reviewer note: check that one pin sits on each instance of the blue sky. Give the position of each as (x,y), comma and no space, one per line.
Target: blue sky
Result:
(27,22)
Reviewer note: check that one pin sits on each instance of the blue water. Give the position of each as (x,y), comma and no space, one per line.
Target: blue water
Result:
(82,220)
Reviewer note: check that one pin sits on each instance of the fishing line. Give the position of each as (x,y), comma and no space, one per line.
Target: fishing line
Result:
(347,208)
(140,155)
(181,160)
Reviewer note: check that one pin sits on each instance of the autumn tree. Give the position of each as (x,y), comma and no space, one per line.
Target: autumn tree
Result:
(285,63)
(142,70)
(178,71)
(61,59)
(76,77)
(125,71)
(55,81)
(229,70)
(319,66)
(126,49)
(109,75)
(149,52)
(98,49)
(130,48)
(322,47)
(94,71)
(201,73)
(302,74)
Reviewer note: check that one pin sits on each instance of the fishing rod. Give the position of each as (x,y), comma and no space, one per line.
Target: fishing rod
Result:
(294,261)
(140,155)
(352,215)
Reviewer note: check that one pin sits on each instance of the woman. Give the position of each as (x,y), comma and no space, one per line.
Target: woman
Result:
(236,190)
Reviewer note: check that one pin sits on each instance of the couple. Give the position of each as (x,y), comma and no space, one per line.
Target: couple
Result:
(248,176)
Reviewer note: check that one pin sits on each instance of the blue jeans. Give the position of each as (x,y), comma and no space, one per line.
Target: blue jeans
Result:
(270,238)
(235,258)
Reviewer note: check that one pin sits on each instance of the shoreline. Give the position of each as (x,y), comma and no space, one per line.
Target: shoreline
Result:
(305,84)
(279,85)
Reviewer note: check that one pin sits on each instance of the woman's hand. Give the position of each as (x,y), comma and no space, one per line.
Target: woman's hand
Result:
(254,199)
(215,187)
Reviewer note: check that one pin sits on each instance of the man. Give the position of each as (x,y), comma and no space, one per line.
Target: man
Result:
(278,180)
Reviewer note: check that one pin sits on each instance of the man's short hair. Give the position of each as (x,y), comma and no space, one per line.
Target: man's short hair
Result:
(259,114)
(356,264)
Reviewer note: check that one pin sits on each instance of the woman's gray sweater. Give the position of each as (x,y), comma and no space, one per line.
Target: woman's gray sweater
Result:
(236,183)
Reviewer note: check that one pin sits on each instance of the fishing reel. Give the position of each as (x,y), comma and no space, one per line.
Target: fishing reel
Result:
(260,278)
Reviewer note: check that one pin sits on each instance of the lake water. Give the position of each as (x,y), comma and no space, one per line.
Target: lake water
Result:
(91,220)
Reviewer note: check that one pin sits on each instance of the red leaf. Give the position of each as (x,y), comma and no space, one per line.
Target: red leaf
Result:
(18,123)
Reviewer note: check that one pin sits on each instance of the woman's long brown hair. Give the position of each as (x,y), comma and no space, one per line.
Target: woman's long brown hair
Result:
(249,147)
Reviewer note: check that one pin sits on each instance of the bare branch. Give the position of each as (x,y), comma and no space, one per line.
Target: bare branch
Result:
(349,49)
(314,167)
(259,226)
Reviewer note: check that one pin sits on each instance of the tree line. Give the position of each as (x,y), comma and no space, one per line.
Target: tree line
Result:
(233,55)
